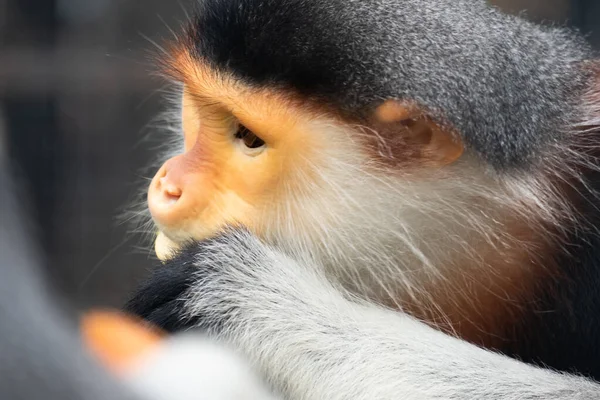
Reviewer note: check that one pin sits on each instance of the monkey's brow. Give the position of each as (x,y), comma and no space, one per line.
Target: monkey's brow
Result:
(205,100)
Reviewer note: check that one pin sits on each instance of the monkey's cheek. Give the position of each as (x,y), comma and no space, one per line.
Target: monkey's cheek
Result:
(164,247)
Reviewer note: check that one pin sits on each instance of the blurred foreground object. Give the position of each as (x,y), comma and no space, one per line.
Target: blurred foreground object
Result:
(117,340)
(183,367)
(43,357)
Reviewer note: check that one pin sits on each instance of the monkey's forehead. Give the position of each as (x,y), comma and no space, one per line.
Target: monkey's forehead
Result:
(484,72)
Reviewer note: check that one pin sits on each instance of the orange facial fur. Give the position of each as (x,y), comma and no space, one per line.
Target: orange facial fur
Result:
(215,182)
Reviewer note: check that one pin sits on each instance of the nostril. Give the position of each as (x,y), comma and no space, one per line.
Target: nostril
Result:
(171,192)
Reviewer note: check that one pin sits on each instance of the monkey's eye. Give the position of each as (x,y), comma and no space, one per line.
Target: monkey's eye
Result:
(249,139)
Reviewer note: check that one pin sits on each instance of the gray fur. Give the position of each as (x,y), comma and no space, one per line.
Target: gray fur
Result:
(508,86)
(313,342)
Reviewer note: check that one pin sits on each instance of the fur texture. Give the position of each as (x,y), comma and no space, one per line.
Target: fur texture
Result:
(312,342)
(487,74)
(506,235)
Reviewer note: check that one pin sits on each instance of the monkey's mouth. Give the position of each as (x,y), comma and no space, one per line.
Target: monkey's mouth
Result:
(164,247)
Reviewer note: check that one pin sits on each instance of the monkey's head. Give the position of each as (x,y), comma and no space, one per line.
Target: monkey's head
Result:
(405,137)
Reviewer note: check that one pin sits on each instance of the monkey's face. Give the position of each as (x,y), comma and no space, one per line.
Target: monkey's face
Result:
(243,148)
(386,202)
(302,178)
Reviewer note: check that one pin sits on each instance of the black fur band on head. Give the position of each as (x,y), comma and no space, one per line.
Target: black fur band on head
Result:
(507,86)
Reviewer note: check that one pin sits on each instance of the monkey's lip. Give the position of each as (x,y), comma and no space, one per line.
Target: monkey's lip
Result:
(164,247)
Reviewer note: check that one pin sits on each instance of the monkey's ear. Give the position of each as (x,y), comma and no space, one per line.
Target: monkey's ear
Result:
(433,144)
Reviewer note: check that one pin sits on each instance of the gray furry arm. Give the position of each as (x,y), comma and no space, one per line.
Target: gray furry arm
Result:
(310,341)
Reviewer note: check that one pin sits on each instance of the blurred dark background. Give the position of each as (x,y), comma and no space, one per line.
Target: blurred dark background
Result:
(76,101)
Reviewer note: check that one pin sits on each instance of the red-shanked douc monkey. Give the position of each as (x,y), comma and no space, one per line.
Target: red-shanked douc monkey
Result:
(372,191)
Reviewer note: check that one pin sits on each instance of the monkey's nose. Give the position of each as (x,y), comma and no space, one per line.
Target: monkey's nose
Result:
(169,191)
(164,198)
(177,194)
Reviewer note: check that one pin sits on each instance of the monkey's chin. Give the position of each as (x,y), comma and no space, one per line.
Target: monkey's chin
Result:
(164,247)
